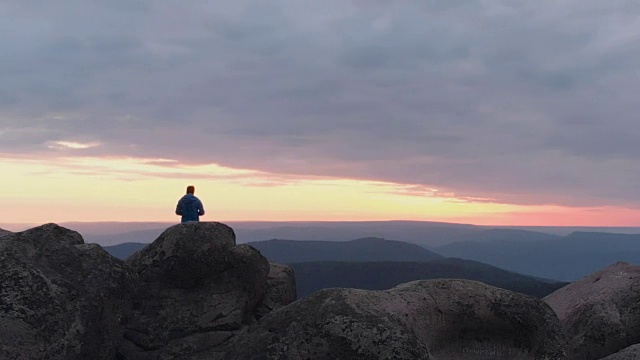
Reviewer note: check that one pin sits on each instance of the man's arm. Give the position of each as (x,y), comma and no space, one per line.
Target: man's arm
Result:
(200,208)
(178,209)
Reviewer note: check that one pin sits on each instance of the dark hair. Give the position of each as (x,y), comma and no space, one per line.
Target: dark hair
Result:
(191,189)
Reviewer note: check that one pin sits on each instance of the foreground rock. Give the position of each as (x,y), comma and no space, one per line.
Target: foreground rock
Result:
(4,232)
(281,290)
(59,297)
(435,319)
(630,353)
(601,313)
(196,290)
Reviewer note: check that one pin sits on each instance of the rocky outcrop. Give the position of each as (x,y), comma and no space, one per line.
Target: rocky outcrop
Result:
(195,294)
(281,290)
(600,314)
(4,232)
(196,290)
(182,297)
(434,319)
(630,353)
(59,297)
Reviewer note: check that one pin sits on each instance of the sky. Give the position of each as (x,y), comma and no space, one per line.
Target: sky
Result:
(478,111)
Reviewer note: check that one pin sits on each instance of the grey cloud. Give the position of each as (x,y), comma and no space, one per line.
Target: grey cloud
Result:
(522,102)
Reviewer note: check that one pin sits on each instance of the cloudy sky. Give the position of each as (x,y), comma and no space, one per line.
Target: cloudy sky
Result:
(482,111)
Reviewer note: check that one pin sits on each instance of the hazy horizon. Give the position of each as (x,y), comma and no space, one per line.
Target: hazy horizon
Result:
(120,227)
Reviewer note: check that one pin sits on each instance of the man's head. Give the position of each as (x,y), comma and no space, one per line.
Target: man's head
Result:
(191,189)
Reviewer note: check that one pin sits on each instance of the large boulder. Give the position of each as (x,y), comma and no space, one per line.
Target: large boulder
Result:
(600,314)
(59,297)
(432,319)
(281,290)
(196,290)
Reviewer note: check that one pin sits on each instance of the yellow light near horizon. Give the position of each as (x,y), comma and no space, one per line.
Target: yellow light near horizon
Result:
(125,189)
(143,190)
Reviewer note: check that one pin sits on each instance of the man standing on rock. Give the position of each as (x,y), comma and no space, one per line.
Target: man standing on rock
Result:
(189,206)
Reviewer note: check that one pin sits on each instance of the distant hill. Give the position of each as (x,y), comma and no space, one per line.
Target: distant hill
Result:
(366,249)
(565,258)
(418,232)
(499,236)
(313,276)
(123,251)
(510,234)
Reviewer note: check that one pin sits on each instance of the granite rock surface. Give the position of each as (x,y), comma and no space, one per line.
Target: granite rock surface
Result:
(196,290)
(630,353)
(432,319)
(59,297)
(600,313)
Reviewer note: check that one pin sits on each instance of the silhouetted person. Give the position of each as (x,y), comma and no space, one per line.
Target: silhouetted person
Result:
(189,206)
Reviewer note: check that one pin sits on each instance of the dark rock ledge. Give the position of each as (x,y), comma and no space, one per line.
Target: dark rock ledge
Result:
(182,297)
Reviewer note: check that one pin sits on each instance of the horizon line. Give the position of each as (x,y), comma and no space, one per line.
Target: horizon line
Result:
(316,221)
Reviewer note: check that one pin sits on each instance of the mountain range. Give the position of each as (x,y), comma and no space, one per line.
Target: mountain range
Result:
(565,258)
(375,264)
(365,249)
(314,276)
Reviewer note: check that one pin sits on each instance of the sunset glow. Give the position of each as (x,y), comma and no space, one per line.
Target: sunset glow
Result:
(130,189)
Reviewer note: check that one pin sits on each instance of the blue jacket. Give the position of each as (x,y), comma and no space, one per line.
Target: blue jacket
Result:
(190,207)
